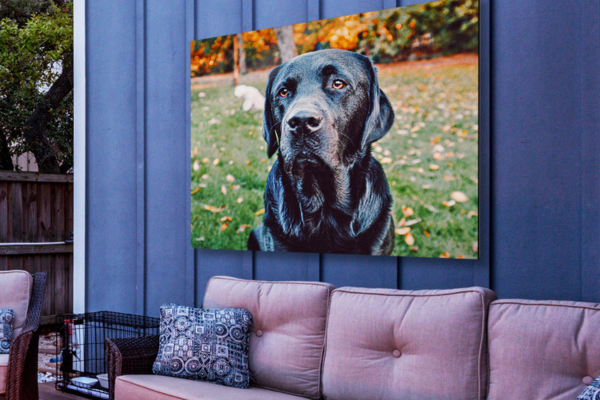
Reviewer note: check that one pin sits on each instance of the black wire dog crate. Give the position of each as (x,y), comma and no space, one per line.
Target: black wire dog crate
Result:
(81,367)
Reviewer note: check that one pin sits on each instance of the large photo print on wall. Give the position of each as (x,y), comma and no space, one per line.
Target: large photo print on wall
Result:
(350,135)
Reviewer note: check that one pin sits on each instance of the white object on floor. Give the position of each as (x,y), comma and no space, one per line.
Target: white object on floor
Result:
(253,99)
(103,379)
(84,382)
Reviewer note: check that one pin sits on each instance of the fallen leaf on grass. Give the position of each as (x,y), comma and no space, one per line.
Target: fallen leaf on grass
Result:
(205,176)
(223,189)
(407,211)
(459,197)
(475,180)
(449,203)
(230,178)
(240,200)
(426,233)
(235,187)
(242,228)
(434,167)
(412,222)
(402,231)
(213,208)
(224,226)
(431,208)
(196,166)
(402,222)
(260,212)
(200,239)
(409,239)
(223,219)
(426,187)
(414,249)
(205,160)
(195,191)
(445,255)
(437,156)
(216,161)
(214,121)
(471,214)
(386,160)
(202,185)
(475,247)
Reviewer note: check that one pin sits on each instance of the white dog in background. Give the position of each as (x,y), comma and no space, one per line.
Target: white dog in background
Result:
(253,99)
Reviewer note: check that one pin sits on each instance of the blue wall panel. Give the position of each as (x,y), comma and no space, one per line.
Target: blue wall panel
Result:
(537,145)
(111,157)
(167,158)
(540,229)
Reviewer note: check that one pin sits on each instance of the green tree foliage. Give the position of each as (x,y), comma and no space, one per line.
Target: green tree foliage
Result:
(440,27)
(36,99)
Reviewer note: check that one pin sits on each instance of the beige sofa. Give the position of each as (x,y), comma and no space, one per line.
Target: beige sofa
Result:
(309,340)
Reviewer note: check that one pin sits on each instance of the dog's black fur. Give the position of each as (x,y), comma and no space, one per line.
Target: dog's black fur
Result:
(325,193)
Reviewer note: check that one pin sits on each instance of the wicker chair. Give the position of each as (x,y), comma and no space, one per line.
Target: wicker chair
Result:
(23,357)
(129,356)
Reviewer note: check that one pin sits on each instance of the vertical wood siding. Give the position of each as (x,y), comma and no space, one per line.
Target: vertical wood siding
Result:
(542,115)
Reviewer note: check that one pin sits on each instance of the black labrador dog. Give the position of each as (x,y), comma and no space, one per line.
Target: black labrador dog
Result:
(325,193)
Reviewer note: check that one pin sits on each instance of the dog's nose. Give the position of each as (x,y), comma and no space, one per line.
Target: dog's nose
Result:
(304,119)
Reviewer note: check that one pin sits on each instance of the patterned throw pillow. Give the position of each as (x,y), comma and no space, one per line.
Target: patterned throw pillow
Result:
(207,345)
(591,392)
(6,330)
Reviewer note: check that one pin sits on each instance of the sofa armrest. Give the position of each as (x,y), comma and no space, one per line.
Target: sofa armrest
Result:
(129,356)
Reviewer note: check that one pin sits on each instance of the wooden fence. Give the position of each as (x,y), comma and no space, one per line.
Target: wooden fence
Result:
(36,218)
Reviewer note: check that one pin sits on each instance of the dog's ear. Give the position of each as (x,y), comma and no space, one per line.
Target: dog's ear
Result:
(381,115)
(270,134)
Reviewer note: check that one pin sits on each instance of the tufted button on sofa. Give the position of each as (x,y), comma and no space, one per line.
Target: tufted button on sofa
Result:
(310,340)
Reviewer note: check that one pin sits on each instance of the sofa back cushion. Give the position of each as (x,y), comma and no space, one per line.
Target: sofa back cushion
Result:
(396,344)
(542,349)
(15,294)
(288,330)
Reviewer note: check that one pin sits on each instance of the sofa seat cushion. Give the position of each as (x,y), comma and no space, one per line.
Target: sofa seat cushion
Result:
(287,335)
(411,345)
(15,293)
(158,387)
(542,349)
(3,372)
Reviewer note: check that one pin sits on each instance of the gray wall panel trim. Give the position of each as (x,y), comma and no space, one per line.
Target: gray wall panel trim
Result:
(248,264)
(481,267)
(272,13)
(190,27)
(313,10)
(313,267)
(248,19)
(140,150)
(167,139)
(590,149)
(389,3)
(111,196)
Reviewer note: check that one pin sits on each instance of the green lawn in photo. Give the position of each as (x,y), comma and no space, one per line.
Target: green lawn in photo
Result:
(430,158)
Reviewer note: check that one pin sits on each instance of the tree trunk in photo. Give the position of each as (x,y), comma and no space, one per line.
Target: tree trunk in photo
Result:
(242,55)
(35,129)
(285,42)
(236,60)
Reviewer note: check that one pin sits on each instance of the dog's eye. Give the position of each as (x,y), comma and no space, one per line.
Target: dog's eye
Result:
(284,92)
(338,84)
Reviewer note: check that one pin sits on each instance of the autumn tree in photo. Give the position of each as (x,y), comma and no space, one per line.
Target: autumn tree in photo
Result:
(398,34)
(36,83)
